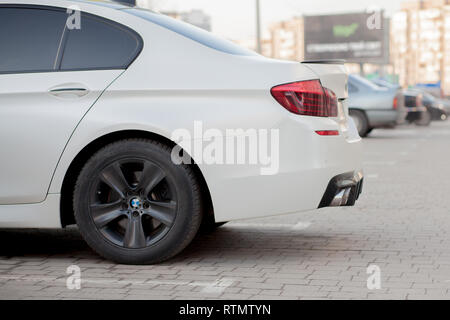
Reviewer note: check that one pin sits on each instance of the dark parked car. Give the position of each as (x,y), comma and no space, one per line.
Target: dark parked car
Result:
(446,104)
(435,109)
(417,112)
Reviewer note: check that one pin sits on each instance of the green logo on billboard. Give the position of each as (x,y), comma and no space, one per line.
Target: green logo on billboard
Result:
(345,31)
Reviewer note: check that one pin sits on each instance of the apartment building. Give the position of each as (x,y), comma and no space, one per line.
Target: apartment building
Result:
(420,43)
(286,40)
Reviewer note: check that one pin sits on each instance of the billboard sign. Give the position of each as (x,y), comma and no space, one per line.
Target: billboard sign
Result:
(354,37)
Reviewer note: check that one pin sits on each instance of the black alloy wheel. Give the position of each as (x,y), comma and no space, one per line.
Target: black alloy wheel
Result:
(134,205)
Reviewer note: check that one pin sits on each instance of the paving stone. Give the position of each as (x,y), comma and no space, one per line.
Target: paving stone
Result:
(399,225)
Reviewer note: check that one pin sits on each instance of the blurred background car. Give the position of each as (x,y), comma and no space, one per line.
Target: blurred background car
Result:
(423,103)
(435,89)
(417,112)
(372,106)
(435,109)
(385,83)
(438,95)
(446,104)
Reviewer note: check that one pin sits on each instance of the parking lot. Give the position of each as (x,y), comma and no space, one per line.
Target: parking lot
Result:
(401,224)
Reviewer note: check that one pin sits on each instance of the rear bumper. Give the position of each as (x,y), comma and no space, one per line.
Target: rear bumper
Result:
(415,113)
(343,190)
(307,163)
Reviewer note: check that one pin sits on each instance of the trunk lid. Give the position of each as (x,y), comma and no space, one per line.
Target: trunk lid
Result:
(333,75)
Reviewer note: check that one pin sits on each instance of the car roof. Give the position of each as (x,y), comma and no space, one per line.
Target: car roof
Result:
(423,93)
(100,3)
(106,3)
(409,92)
(186,30)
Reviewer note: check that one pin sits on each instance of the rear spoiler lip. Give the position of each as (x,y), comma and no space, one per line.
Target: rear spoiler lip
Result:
(332,61)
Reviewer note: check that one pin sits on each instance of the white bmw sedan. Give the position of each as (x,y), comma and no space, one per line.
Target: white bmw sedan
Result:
(140,128)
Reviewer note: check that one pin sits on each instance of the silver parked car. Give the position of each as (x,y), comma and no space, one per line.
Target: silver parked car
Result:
(372,106)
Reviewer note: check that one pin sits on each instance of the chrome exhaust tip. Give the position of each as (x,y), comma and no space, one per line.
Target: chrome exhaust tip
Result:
(343,190)
(337,200)
(341,198)
(346,196)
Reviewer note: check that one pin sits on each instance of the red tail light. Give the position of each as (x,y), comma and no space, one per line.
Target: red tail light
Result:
(307,98)
(395,104)
(327,132)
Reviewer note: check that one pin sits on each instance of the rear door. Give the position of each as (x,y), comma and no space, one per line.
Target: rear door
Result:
(50,75)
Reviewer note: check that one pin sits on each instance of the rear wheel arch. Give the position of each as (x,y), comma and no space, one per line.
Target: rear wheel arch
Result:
(359,110)
(72,173)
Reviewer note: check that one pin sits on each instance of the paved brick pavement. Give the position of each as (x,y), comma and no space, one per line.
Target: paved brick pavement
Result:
(401,224)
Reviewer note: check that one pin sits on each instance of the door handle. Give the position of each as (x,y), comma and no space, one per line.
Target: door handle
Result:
(69,91)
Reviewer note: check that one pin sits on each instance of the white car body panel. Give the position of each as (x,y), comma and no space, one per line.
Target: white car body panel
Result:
(43,215)
(168,88)
(34,142)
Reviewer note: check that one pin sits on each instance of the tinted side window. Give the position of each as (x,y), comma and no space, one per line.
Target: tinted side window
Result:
(189,31)
(100,44)
(29,39)
(411,101)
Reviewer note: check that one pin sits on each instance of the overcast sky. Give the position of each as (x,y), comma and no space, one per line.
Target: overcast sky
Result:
(235,19)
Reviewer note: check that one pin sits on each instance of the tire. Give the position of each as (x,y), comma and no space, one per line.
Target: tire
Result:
(425,120)
(133,205)
(361,122)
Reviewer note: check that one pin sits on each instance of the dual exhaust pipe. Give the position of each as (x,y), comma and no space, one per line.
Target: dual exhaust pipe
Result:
(343,190)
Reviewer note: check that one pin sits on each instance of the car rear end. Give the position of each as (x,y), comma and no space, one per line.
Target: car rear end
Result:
(398,104)
(414,105)
(319,150)
(382,106)
(338,146)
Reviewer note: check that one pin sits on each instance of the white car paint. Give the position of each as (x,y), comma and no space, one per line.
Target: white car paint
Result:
(39,120)
(173,82)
